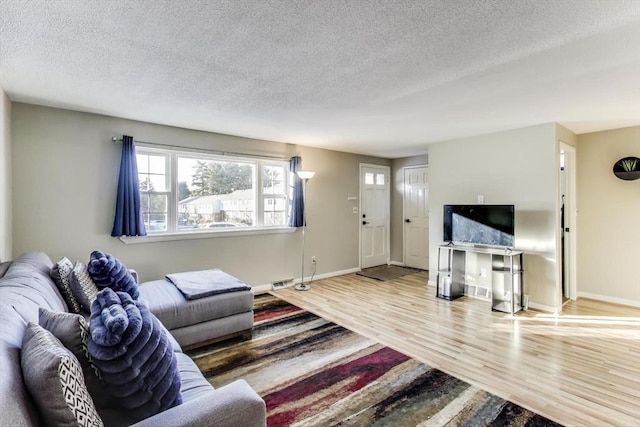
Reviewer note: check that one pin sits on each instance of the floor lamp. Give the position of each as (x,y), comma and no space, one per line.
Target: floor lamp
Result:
(305,176)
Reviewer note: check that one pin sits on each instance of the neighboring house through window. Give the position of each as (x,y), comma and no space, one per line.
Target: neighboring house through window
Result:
(190,192)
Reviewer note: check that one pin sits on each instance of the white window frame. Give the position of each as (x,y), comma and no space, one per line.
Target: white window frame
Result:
(173,233)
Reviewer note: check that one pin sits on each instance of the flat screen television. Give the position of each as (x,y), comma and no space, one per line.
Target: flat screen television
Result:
(484,225)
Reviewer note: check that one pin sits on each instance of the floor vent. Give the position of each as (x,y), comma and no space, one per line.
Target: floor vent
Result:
(280,284)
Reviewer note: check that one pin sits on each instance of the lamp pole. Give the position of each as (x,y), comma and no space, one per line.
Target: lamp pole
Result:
(305,176)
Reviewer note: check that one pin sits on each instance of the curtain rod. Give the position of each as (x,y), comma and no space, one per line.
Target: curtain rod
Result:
(223,153)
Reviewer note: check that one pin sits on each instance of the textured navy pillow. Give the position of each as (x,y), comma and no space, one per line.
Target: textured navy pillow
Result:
(135,358)
(108,272)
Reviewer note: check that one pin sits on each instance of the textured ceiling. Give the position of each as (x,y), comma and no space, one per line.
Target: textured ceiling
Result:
(375,77)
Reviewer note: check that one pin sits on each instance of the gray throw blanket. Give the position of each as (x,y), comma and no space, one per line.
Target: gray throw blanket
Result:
(200,284)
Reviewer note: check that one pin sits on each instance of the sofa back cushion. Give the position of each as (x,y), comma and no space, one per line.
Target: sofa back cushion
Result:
(24,287)
(27,286)
(16,407)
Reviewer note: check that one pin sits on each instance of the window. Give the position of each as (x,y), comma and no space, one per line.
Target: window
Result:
(188,192)
(154,190)
(369,178)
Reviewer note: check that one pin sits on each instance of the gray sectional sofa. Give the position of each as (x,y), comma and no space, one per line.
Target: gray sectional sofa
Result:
(26,286)
(201,321)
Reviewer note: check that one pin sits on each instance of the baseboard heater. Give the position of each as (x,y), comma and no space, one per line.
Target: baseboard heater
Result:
(281,284)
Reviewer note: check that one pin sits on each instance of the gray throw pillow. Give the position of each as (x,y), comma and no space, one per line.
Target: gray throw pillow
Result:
(72,330)
(61,273)
(82,285)
(54,378)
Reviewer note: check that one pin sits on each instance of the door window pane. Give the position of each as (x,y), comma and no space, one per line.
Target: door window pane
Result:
(368,178)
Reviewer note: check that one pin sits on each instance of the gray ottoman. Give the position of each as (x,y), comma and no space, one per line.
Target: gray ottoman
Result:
(198,322)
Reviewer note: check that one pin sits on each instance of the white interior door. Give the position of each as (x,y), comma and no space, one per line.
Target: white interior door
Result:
(374,215)
(416,218)
(568,221)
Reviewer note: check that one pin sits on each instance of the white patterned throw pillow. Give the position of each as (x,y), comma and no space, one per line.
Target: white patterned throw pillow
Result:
(61,274)
(82,285)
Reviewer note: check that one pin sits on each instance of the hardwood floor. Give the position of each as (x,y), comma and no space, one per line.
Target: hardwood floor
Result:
(580,368)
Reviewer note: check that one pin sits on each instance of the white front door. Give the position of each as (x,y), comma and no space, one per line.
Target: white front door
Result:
(416,218)
(374,215)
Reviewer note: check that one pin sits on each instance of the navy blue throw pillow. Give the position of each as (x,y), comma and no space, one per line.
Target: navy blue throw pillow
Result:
(108,272)
(133,354)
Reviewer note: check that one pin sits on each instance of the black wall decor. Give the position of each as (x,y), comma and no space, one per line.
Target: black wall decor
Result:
(627,168)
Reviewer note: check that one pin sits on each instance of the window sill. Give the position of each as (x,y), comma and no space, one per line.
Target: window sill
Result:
(169,237)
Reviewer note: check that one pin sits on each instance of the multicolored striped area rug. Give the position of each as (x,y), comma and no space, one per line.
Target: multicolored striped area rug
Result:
(312,372)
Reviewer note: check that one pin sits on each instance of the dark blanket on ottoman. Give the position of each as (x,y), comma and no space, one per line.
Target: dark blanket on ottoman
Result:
(203,283)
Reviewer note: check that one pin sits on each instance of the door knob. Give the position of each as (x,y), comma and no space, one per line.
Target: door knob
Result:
(407,220)
(365,222)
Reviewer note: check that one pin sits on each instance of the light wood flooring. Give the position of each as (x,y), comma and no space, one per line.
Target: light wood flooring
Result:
(580,368)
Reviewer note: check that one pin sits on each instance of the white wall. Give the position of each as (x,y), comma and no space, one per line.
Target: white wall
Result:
(65,170)
(5,178)
(608,218)
(517,167)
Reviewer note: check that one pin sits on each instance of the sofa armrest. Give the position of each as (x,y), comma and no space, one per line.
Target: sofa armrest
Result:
(235,404)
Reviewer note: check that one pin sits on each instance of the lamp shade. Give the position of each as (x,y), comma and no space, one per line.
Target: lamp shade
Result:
(306,175)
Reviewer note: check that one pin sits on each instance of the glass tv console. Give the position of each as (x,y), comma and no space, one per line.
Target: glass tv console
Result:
(507,283)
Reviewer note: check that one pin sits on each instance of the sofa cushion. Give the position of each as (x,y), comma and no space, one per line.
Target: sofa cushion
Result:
(54,378)
(174,311)
(194,384)
(83,288)
(16,406)
(108,271)
(4,266)
(27,286)
(61,275)
(133,354)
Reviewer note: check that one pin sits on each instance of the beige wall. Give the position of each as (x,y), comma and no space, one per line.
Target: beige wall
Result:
(65,171)
(397,200)
(5,178)
(515,167)
(608,218)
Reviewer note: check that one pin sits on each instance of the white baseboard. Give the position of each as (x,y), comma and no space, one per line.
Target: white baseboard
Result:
(398,263)
(260,289)
(335,273)
(431,283)
(542,307)
(605,298)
